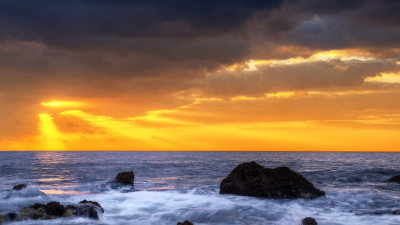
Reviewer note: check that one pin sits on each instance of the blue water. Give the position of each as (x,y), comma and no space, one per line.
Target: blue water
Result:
(175,186)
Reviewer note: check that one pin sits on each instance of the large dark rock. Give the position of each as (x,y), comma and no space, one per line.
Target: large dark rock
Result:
(252,179)
(186,222)
(125,177)
(395,179)
(309,221)
(19,187)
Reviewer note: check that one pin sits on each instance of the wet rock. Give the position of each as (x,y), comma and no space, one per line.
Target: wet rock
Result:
(395,179)
(51,210)
(86,209)
(32,213)
(54,210)
(94,203)
(395,212)
(10,216)
(309,221)
(186,222)
(125,177)
(19,187)
(252,179)
(69,213)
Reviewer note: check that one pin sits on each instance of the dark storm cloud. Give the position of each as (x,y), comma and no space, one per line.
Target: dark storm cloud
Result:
(72,22)
(343,24)
(106,45)
(122,38)
(328,6)
(102,24)
(49,40)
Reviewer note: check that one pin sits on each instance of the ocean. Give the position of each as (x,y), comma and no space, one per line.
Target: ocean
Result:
(178,186)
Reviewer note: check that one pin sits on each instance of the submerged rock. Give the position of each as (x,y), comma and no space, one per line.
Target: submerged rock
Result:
(186,222)
(309,221)
(382,212)
(54,210)
(252,179)
(395,179)
(19,187)
(125,177)
(21,191)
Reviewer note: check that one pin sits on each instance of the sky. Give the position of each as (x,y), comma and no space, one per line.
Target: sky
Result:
(278,75)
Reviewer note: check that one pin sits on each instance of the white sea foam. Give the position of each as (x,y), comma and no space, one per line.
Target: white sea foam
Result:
(174,189)
(169,207)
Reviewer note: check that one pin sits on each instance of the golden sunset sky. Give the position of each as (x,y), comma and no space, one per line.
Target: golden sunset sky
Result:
(200,75)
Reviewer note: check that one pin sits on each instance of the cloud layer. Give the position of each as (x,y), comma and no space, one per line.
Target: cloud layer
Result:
(146,55)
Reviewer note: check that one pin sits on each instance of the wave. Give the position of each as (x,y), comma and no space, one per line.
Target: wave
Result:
(205,206)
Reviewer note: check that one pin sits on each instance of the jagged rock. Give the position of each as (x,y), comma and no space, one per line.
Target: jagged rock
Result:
(32,213)
(395,179)
(19,187)
(94,203)
(51,209)
(186,222)
(309,221)
(125,177)
(54,210)
(86,209)
(252,179)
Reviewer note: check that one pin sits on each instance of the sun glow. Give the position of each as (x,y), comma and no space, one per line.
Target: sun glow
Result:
(51,137)
(63,104)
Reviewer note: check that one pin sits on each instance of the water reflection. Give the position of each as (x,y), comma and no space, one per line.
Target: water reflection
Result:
(60,192)
(55,175)
(52,157)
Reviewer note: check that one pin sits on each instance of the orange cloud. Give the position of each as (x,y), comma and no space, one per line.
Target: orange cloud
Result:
(276,121)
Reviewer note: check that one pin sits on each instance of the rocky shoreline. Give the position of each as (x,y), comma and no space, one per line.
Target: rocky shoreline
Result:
(246,179)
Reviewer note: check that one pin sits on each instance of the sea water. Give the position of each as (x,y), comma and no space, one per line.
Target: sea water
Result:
(178,186)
